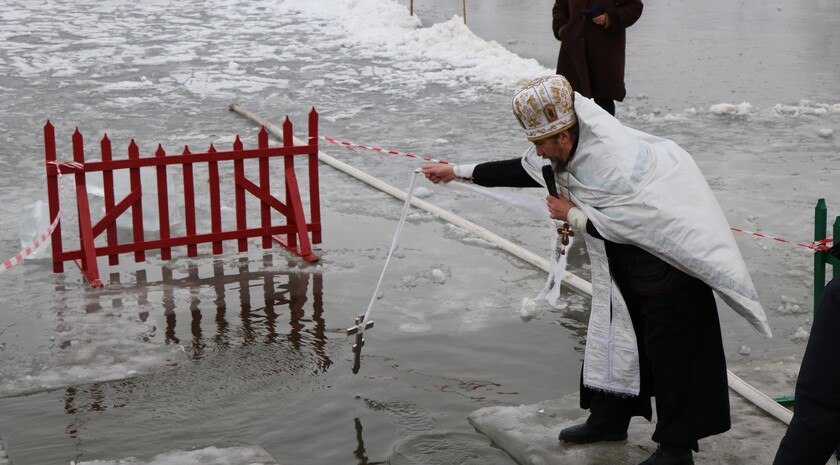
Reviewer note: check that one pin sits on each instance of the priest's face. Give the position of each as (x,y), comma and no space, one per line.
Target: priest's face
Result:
(556,148)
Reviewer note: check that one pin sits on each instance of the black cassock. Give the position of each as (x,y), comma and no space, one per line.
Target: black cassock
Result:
(814,431)
(675,318)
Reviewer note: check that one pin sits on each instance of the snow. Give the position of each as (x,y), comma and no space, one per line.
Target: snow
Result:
(729,109)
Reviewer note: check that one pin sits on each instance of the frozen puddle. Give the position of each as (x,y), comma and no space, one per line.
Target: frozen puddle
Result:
(237,455)
(529,434)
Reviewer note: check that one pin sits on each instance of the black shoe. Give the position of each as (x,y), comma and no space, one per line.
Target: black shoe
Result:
(584,434)
(670,455)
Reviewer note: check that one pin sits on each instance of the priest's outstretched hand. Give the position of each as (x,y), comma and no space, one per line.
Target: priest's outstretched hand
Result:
(439,173)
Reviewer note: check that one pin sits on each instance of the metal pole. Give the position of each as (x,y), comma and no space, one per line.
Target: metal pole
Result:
(411,8)
(820,258)
(464,8)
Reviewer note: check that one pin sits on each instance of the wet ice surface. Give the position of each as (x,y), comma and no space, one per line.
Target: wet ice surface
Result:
(249,348)
(529,433)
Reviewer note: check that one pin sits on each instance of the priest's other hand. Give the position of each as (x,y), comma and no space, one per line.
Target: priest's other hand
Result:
(558,208)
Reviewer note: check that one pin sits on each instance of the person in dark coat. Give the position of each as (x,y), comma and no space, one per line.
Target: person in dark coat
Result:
(814,431)
(592,35)
(654,328)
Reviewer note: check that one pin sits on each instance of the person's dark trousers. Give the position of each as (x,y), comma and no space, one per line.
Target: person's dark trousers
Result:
(683,367)
(607,104)
(814,431)
(685,352)
(609,413)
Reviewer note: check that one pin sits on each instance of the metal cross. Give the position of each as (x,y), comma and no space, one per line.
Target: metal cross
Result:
(360,341)
(565,233)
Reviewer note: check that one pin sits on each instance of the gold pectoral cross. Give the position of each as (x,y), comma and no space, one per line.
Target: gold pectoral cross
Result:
(565,233)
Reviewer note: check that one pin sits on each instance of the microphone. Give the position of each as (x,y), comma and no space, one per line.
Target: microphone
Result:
(550,183)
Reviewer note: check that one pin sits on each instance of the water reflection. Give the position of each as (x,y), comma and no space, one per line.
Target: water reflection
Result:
(280,292)
(359,453)
(278,308)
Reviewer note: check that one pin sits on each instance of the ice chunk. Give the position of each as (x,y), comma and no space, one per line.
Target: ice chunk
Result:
(35,220)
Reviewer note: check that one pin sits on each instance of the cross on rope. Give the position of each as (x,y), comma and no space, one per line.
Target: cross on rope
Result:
(360,340)
(363,321)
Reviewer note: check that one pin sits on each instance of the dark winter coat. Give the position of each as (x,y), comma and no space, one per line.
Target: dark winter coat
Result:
(814,431)
(592,56)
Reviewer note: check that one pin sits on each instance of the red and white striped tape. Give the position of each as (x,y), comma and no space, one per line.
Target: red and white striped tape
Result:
(45,236)
(816,245)
(350,145)
(819,245)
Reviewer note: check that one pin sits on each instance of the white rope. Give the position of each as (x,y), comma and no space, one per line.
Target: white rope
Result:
(550,292)
(406,206)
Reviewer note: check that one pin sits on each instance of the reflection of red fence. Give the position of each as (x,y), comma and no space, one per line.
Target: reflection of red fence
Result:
(296,230)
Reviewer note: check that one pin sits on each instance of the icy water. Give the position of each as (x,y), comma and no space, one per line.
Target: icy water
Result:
(249,348)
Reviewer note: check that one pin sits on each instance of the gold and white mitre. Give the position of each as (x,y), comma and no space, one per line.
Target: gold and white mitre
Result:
(545,107)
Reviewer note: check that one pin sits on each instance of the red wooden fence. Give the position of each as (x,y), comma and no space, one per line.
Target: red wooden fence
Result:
(296,229)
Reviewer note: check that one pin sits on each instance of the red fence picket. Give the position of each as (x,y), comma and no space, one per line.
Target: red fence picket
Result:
(293,235)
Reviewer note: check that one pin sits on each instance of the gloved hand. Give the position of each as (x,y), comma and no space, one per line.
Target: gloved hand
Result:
(596,11)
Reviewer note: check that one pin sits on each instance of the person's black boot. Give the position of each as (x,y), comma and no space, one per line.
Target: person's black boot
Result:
(670,455)
(584,434)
